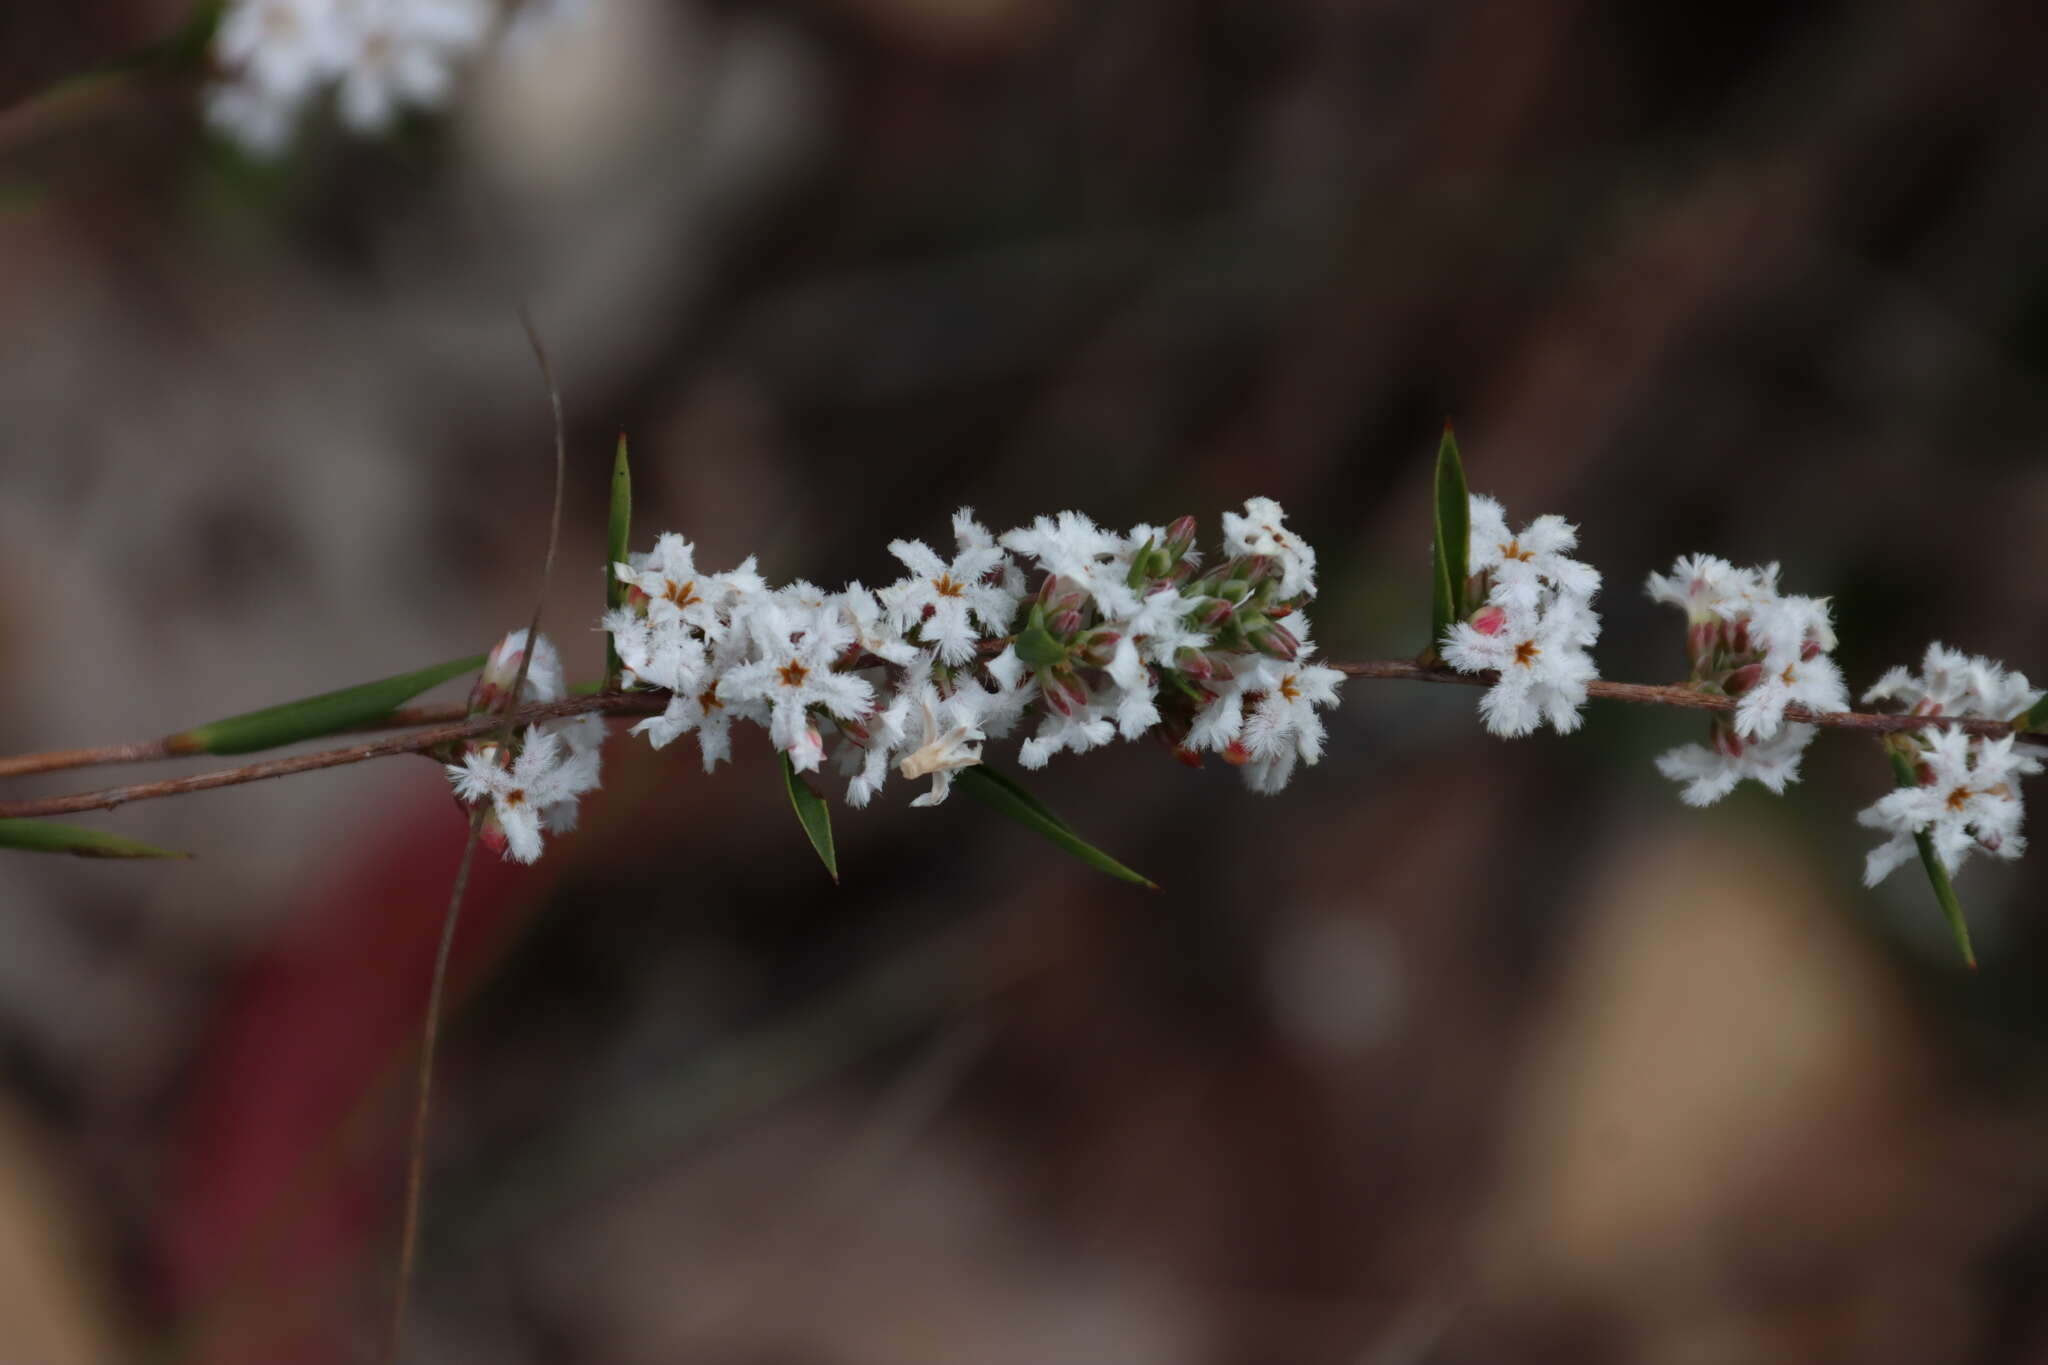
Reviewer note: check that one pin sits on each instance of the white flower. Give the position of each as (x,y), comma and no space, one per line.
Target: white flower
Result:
(946,736)
(1748,640)
(942,601)
(969,534)
(383,56)
(1968,798)
(874,631)
(678,593)
(1793,634)
(1708,587)
(403,53)
(1262,530)
(793,671)
(1283,725)
(259,118)
(1523,566)
(1951,683)
(1540,656)
(1072,547)
(1710,774)
(867,757)
(535,791)
(1082,729)
(537,788)
(284,48)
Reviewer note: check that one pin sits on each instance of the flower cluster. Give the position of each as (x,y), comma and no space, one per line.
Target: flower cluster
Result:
(1747,640)
(1535,625)
(1091,634)
(380,57)
(533,781)
(1968,794)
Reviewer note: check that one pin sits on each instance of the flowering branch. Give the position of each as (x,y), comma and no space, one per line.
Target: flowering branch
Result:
(452,724)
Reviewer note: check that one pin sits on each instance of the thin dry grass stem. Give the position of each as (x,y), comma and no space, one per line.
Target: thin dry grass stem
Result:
(652,703)
(416,1149)
(423,1099)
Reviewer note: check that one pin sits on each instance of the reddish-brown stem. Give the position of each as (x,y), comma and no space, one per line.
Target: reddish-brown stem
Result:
(1684,696)
(651,703)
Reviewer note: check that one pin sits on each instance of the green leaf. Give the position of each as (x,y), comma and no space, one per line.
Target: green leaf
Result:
(315,716)
(1453,541)
(45,836)
(1937,875)
(812,814)
(618,532)
(2036,717)
(1002,792)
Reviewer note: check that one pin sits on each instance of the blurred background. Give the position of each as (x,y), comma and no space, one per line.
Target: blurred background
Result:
(1458,1051)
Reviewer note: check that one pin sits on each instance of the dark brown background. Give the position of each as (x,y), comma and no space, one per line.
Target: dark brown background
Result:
(1460,1050)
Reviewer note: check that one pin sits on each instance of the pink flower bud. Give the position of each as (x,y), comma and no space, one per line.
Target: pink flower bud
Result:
(1215,613)
(1742,679)
(1490,620)
(1065,624)
(1180,537)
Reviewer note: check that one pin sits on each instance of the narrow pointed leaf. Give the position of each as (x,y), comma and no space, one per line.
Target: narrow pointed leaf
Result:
(1452,553)
(312,717)
(618,534)
(46,836)
(1937,875)
(1003,793)
(812,814)
(2036,717)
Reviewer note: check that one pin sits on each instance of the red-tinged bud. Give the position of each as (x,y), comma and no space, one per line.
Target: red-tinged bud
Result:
(1924,772)
(1742,679)
(1065,624)
(1490,620)
(1101,647)
(1727,741)
(1180,536)
(1738,638)
(1277,610)
(1810,650)
(1073,599)
(1194,663)
(1074,686)
(637,597)
(1275,642)
(1191,757)
(1234,589)
(858,731)
(1048,589)
(1259,568)
(1054,698)
(491,834)
(1700,638)
(1215,611)
(1220,669)
(1236,754)
(500,671)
